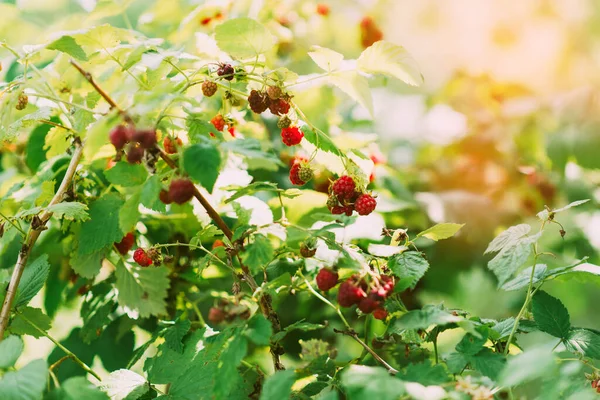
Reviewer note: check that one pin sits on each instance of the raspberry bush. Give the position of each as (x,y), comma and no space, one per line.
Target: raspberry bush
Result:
(280,259)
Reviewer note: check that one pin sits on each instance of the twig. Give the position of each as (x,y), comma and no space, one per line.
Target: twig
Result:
(38,224)
(376,356)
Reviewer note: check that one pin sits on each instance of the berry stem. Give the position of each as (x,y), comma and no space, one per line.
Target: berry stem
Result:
(376,356)
(324,300)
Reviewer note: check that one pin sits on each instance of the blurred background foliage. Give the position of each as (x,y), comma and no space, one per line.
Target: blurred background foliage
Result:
(507,122)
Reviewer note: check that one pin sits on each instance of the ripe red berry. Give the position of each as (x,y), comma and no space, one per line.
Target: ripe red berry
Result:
(279,107)
(337,210)
(145,137)
(369,32)
(126,243)
(291,136)
(216,315)
(218,122)
(209,88)
(181,190)
(218,243)
(294,175)
(380,314)
(323,9)
(119,136)
(350,294)
(258,101)
(163,196)
(135,153)
(367,305)
(140,257)
(226,71)
(326,279)
(171,145)
(344,187)
(365,204)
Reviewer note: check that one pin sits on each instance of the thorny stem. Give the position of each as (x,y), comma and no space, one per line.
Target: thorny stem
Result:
(38,224)
(376,356)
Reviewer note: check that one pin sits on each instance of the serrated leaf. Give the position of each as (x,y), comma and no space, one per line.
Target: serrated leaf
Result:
(87,265)
(95,311)
(550,315)
(33,279)
(584,342)
(200,130)
(522,280)
(258,253)
(202,161)
(68,45)
(325,58)
(28,383)
(471,344)
(299,325)
(392,60)
(278,385)
(509,260)
(10,350)
(21,323)
(143,289)
(129,214)
(508,238)
(354,85)
(124,384)
(243,38)
(150,192)
(56,142)
(254,187)
(10,132)
(524,367)
(46,193)
(322,142)
(441,231)
(73,211)
(255,156)
(259,330)
(174,335)
(96,140)
(102,37)
(362,382)
(79,388)
(409,267)
(102,229)
(126,174)
(424,318)
(488,363)
(425,373)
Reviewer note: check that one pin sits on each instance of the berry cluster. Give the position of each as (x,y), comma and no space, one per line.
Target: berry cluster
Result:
(137,141)
(300,172)
(23,100)
(181,190)
(273,98)
(344,198)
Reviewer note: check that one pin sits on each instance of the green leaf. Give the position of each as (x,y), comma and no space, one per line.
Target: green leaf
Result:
(73,211)
(254,187)
(202,161)
(67,44)
(322,142)
(129,215)
(527,366)
(300,326)
(471,344)
(143,289)
(125,174)
(392,60)
(87,265)
(174,335)
(354,85)
(509,260)
(545,214)
(10,350)
(259,330)
(125,385)
(508,238)
(522,280)
(102,229)
(79,388)
(409,267)
(9,133)
(20,324)
(425,373)
(584,342)
(424,318)
(149,194)
(441,231)
(243,38)
(95,311)
(33,279)
(258,253)
(488,363)
(253,152)
(550,315)
(361,382)
(199,130)
(325,58)
(28,383)
(279,385)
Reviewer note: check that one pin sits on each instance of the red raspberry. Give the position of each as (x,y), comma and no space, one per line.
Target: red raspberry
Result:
(126,243)
(323,9)
(295,175)
(231,131)
(344,187)
(145,137)
(216,315)
(209,88)
(365,204)
(348,211)
(135,153)
(120,136)
(380,314)
(350,294)
(291,136)
(326,279)
(337,210)
(367,305)
(308,252)
(258,101)
(369,32)
(171,145)
(279,107)
(218,122)
(164,197)
(181,190)
(218,243)
(140,257)
(226,71)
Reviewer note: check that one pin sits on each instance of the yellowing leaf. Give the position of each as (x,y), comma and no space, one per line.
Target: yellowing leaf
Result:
(392,60)
(355,86)
(243,38)
(325,58)
(441,231)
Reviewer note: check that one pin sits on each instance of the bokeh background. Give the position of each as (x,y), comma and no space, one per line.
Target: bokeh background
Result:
(507,121)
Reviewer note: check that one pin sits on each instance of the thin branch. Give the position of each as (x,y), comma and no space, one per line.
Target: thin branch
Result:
(38,224)
(376,356)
